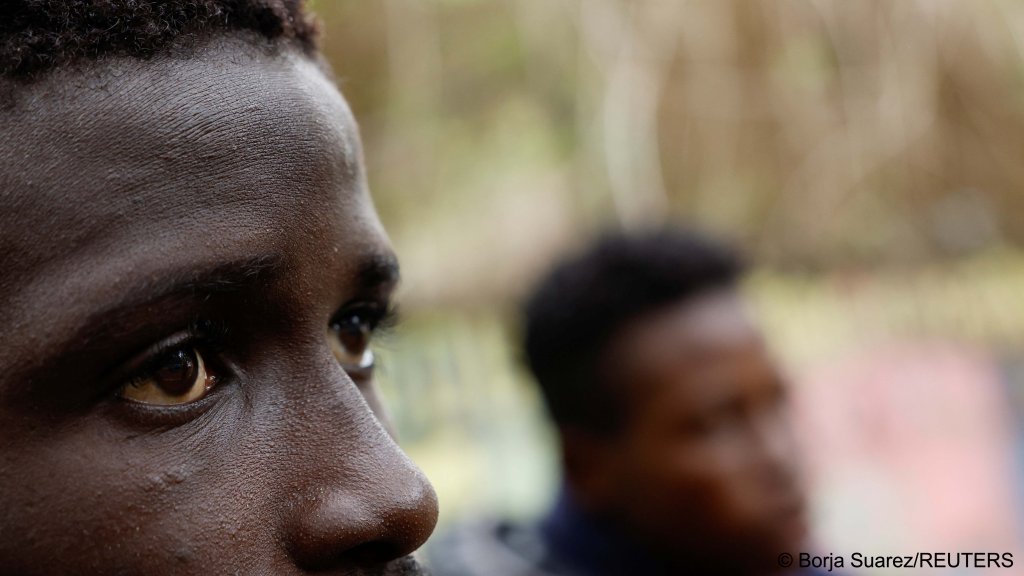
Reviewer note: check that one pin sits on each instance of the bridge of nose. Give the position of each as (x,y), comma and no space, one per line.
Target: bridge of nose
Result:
(350,495)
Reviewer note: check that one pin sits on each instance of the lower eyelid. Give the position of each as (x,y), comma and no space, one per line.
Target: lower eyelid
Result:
(148,416)
(227,376)
(359,374)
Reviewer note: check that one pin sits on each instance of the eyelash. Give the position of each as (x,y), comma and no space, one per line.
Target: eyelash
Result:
(382,317)
(207,336)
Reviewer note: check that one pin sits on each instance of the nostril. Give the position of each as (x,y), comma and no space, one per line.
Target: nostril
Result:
(375,553)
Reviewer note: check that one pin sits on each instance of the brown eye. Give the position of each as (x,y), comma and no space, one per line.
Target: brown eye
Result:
(350,340)
(176,377)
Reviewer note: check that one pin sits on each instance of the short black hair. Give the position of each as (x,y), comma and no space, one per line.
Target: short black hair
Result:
(39,35)
(580,306)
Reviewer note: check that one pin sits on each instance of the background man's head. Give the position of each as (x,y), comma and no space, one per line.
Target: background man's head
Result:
(192,273)
(670,408)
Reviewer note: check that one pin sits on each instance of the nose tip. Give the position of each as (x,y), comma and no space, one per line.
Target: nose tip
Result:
(366,523)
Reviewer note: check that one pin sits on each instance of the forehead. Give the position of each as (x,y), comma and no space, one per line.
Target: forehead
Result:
(698,328)
(130,141)
(126,166)
(683,344)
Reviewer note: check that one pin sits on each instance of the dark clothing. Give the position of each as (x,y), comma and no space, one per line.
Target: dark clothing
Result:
(566,542)
(590,546)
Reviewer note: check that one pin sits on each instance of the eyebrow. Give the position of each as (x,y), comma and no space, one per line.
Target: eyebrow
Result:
(219,278)
(379,270)
(375,272)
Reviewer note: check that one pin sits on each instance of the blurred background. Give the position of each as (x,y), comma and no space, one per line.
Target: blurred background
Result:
(869,155)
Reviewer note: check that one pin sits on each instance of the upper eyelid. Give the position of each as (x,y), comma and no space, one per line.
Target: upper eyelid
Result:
(384,313)
(141,361)
(198,334)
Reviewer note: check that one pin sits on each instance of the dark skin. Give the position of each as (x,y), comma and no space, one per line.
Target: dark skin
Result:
(191,272)
(703,472)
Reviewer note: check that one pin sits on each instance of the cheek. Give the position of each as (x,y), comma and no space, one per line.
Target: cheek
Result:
(141,503)
(702,482)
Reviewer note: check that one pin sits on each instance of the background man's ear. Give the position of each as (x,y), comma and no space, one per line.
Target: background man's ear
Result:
(589,463)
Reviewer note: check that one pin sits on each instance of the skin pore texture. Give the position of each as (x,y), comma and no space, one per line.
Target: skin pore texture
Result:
(703,473)
(221,186)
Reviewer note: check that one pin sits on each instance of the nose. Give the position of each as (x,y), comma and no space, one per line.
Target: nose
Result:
(379,516)
(360,502)
(777,450)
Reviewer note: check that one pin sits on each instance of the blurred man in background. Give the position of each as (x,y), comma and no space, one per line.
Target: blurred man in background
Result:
(677,452)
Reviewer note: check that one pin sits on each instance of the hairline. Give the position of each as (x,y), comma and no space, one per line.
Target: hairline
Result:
(94,70)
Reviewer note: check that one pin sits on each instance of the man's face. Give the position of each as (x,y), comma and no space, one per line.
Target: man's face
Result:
(190,272)
(705,465)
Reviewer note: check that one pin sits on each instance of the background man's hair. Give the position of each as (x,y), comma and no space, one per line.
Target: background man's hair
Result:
(40,35)
(581,305)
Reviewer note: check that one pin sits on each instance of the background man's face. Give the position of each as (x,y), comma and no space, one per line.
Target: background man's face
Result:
(191,267)
(707,466)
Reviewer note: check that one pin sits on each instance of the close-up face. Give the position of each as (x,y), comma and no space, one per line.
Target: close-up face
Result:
(192,276)
(706,458)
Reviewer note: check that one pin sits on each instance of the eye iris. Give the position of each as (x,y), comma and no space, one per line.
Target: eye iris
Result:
(354,335)
(176,374)
(351,340)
